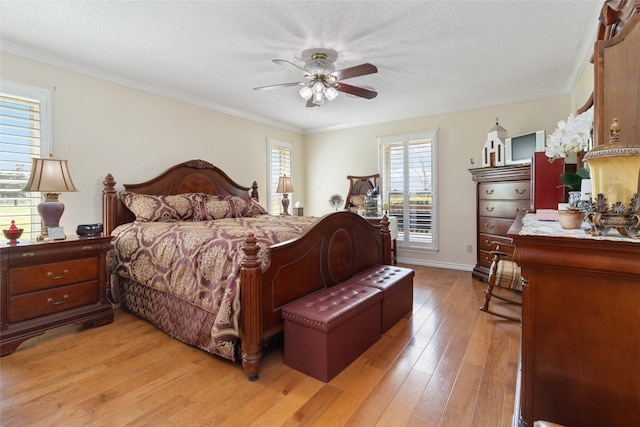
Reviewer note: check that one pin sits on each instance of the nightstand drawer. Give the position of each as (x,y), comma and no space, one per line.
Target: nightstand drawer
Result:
(37,304)
(38,277)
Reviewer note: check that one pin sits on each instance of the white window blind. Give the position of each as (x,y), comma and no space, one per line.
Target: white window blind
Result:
(25,133)
(409,186)
(279,157)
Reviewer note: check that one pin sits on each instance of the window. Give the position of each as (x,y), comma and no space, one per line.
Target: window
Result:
(409,190)
(25,133)
(279,158)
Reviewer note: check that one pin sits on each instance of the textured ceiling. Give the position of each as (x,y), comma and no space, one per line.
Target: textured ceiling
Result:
(432,56)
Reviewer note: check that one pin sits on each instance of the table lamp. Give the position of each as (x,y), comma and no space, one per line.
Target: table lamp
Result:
(285,187)
(51,177)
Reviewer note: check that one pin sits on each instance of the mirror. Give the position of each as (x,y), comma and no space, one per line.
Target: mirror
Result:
(335,201)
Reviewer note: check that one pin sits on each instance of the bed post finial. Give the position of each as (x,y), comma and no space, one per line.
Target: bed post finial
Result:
(254,191)
(386,240)
(109,204)
(251,303)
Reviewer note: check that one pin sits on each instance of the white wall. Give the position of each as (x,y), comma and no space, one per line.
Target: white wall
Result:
(101,127)
(331,156)
(584,87)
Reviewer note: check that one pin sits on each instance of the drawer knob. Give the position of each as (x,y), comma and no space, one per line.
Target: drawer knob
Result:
(520,191)
(27,254)
(52,302)
(64,273)
(489,226)
(489,191)
(489,208)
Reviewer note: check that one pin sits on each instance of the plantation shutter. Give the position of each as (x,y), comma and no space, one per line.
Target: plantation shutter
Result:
(24,122)
(279,165)
(408,186)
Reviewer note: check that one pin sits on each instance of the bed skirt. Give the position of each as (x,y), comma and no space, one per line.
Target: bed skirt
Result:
(176,317)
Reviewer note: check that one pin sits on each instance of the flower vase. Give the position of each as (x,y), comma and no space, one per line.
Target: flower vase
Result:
(574,198)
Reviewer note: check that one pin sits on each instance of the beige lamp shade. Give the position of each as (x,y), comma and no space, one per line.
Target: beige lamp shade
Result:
(50,176)
(284,185)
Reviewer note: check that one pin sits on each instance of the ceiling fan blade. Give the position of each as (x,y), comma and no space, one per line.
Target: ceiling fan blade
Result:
(357,91)
(278,86)
(358,70)
(291,65)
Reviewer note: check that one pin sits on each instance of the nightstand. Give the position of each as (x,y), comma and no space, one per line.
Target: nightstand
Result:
(49,284)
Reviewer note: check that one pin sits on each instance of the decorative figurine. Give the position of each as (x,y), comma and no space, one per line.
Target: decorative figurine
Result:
(13,233)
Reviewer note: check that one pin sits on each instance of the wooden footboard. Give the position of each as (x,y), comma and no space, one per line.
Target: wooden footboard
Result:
(336,247)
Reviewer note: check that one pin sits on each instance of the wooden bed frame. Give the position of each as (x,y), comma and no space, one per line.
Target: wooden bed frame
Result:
(336,247)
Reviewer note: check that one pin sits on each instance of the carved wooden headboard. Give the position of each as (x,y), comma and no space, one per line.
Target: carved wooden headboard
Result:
(617,73)
(620,79)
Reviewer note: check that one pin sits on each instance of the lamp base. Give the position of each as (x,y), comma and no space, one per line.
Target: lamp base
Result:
(285,204)
(50,211)
(626,221)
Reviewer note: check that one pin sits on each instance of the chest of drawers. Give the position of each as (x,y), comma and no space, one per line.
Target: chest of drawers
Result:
(49,284)
(501,194)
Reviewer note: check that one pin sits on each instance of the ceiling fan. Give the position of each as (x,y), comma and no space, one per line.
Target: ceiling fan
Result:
(322,81)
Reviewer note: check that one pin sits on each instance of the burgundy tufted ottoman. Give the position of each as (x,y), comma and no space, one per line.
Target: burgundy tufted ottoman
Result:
(325,331)
(396,283)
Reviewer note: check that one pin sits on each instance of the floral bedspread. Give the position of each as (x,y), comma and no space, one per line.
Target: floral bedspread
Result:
(199,262)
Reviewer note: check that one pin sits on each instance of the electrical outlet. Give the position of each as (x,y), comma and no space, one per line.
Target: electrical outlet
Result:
(469,249)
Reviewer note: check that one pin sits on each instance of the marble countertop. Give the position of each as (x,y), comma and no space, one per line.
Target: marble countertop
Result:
(531,226)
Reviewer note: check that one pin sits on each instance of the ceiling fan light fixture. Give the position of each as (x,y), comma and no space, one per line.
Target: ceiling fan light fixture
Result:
(306,93)
(319,65)
(322,81)
(318,98)
(331,93)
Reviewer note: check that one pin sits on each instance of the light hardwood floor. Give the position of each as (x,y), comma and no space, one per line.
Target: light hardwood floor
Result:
(448,364)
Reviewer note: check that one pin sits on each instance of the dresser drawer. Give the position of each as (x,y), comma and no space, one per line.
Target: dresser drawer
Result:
(510,190)
(496,226)
(37,304)
(490,243)
(485,258)
(45,276)
(502,208)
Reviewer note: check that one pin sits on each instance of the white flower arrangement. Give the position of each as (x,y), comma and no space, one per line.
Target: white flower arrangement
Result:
(571,136)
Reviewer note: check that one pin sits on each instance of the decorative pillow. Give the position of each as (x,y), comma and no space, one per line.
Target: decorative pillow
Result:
(241,206)
(256,208)
(150,208)
(212,208)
